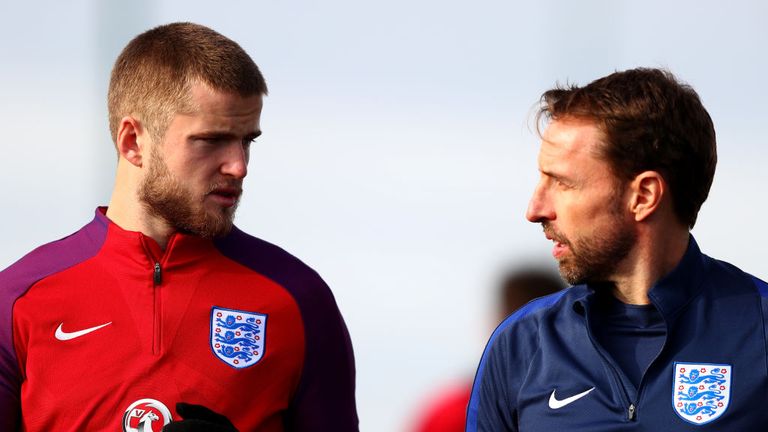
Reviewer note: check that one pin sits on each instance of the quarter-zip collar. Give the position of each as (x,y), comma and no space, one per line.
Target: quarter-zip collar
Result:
(148,278)
(134,247)
(669,295)
(675,290)
(672,292)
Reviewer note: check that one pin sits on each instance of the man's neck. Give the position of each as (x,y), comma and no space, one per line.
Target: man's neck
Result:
(650,261)
(131,215)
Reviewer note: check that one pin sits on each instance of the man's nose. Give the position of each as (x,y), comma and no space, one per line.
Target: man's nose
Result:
(539,207)
(236,161)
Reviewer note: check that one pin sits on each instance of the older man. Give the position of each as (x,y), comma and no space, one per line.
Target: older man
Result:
(654,336)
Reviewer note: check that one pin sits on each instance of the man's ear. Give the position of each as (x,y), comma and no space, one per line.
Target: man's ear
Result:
(648,189)
(131,140)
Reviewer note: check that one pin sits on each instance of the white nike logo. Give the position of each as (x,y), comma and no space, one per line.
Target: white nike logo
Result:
(554,403)
(63,336)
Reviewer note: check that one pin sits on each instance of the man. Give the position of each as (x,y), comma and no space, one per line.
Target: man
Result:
(654,336)
(160,304)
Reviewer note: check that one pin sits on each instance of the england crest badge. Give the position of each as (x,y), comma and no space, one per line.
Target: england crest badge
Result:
(238,337)
(701,391)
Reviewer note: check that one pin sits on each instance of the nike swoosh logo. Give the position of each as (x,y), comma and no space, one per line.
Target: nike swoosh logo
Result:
(554,403)
(64,336)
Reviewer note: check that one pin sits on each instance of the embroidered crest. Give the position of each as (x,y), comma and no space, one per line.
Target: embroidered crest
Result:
(237,337)
(701,391)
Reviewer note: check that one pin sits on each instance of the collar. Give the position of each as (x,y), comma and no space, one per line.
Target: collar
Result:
(673,291)
(182,249)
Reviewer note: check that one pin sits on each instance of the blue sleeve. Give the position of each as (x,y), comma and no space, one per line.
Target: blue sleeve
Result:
(490,406)
(762,289)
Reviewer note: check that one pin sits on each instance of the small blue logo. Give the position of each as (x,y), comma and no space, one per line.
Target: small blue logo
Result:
(701,391)
(238,337)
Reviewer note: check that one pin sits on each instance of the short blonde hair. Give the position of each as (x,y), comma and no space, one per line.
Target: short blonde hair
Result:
(152,76)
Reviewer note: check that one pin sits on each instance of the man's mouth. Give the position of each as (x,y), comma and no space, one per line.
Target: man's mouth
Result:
(561,244)
(559,250)
(226,196)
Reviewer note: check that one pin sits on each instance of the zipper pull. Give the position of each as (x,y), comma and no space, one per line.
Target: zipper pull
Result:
(631,412)
(157,277)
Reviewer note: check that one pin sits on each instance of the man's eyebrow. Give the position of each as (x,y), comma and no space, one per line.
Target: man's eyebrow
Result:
(557,176)
(550,174)
(214,134)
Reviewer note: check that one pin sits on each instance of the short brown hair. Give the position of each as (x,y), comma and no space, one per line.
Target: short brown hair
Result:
(650,121)
(153,74)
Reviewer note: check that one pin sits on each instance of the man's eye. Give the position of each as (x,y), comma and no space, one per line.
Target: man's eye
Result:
(213,140)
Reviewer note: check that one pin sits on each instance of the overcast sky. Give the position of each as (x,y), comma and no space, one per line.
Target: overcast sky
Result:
(396,157)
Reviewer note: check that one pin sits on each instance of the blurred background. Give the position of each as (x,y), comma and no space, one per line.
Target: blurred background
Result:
(397,155)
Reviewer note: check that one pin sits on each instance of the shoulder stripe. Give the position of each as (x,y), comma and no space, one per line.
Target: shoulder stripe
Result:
(529,308)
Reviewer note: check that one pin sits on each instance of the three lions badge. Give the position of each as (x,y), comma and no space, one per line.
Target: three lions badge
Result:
(238,337)
(701,391)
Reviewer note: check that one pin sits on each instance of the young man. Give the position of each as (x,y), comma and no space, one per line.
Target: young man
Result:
(160,313)
(655,335)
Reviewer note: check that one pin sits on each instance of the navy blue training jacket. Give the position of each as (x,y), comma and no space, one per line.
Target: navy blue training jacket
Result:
(543,370)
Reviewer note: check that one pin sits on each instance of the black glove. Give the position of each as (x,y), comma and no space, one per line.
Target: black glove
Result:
(198,418)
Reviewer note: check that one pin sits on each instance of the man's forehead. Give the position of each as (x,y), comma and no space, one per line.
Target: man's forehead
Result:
(207,100)
(571,138)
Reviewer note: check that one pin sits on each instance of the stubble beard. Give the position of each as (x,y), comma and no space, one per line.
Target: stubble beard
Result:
(594,259)
(165,197)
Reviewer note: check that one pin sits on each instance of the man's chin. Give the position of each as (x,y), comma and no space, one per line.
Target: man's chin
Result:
(226,229)
(218,227)
(208,232)
(571,273)
(212,225)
